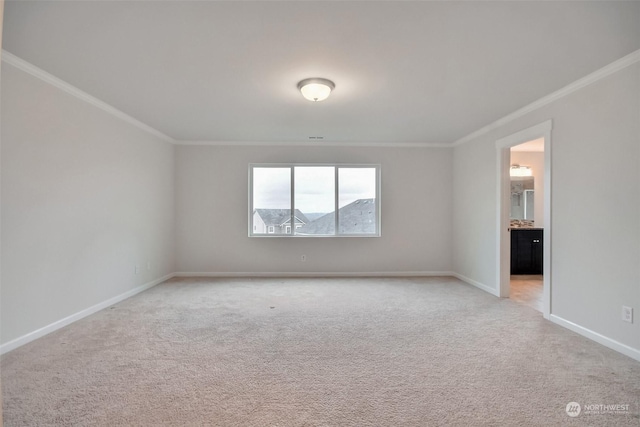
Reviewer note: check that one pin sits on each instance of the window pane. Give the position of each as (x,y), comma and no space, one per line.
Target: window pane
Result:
(357,200)
(311,191)
(314,200)
(271,200)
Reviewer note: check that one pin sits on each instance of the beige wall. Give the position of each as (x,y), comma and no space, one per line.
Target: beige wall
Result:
(212,213)
(595,206)
(85,198)
(1,21)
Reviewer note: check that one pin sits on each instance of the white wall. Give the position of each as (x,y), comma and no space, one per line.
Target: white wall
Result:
(536,161)
(1,21)
(212,213)
(595,190)
(85,197)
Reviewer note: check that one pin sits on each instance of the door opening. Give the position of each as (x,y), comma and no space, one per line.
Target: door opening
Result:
(526,222)
(529,229)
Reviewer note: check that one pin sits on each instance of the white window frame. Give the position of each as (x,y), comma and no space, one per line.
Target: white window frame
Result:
(336,167)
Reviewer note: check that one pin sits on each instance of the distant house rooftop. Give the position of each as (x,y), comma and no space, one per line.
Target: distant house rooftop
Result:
(358,217)
(278,217)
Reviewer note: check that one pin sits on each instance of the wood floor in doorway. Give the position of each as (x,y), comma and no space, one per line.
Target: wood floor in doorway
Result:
(527,289)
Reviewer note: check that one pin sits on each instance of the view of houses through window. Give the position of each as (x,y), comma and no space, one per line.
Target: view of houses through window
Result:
(314,200)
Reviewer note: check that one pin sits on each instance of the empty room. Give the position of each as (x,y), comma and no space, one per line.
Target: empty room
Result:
(320,213)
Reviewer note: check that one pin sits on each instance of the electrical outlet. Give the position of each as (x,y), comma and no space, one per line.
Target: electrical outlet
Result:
(148,265)
(303,258)
(136,269)
(627,314)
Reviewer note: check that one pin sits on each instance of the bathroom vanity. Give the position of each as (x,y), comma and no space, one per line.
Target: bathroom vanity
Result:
(526,250)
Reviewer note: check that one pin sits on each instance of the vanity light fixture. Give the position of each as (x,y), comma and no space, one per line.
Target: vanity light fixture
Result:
(517,170)
(316,89)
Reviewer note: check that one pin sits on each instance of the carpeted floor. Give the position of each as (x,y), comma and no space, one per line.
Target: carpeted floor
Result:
(316,352)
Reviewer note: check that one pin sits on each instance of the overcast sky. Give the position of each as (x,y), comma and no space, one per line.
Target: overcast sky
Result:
(314,190)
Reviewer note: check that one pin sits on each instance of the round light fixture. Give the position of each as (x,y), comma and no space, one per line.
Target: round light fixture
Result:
(316,89)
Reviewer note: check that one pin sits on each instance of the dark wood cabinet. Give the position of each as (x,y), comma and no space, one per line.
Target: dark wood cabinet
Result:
(526,250)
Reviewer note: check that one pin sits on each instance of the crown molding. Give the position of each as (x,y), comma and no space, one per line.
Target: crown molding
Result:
(317,144)
(606,71)
(31,69)
(600,74)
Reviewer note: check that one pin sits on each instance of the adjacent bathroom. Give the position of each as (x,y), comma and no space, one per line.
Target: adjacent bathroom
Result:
(527,223)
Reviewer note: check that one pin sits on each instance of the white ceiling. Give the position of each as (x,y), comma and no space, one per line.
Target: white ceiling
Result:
(425,72)
(537,145)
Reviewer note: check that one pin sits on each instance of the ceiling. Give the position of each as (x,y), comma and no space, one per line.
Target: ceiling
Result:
(405,72)
(536,146)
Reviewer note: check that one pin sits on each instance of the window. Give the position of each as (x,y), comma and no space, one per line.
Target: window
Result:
(314,200)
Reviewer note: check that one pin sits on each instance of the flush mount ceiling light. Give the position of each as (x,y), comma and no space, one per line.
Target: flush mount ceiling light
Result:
(316,89)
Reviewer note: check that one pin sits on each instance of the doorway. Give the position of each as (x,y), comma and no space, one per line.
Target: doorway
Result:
(526,173)
(531,240)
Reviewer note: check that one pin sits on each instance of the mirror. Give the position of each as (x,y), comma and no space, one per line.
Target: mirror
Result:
(522,197)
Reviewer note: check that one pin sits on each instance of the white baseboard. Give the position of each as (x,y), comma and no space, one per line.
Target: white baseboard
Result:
(20,341)
(477,284)
(11,345)
(594,336)
(31,336)
(315,274)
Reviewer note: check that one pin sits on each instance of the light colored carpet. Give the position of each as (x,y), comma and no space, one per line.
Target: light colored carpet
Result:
(316,352)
